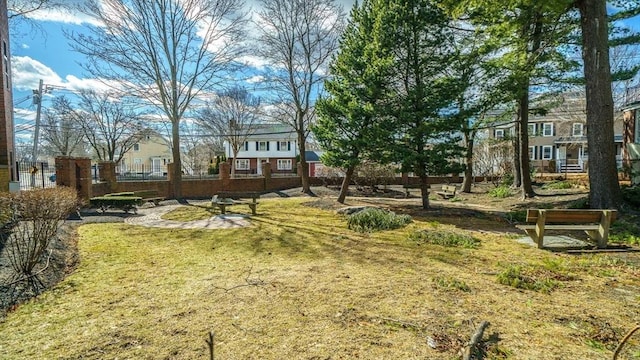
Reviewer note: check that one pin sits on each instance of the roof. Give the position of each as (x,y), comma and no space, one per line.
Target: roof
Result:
(312,156)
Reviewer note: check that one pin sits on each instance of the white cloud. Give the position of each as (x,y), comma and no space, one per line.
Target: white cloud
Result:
(63,16)
(255,79)
(27,72)
(24,46)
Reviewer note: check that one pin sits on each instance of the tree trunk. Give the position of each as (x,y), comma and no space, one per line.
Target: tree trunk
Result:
(345,184)
(424,191)
(604,189)
(517,179)
(523,138)
(304,166)
(468,171)
(177,164)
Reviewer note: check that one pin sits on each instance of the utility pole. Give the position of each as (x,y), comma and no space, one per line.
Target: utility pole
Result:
(37,99)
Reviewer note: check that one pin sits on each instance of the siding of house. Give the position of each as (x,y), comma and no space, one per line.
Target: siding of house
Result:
(275,144)
(142,159)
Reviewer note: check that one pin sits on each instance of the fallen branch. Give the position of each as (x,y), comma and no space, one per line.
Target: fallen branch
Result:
(619,348)
(210,343)
(248,282)
(472,346)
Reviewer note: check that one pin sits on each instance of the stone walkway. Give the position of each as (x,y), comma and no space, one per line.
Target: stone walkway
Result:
(152,217)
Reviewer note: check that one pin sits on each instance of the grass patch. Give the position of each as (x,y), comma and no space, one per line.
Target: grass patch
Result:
(190,213)
(444,237)
(450,284)
(298,284)
(375,219)
(544,279)
(501,192)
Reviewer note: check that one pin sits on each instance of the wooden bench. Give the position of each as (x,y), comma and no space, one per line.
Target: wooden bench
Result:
(594,222)
(222,200)
(118,201)
(447,192)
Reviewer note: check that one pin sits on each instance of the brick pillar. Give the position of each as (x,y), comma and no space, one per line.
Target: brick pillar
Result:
(4,178)
(170,167)
(65,171)
(266,172)
(225,176)
(107,173)
(83,178)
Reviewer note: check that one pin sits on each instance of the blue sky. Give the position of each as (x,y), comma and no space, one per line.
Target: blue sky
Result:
(46,54)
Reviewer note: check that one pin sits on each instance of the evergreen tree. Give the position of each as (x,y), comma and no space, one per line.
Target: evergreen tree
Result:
(349,118)
(426,141)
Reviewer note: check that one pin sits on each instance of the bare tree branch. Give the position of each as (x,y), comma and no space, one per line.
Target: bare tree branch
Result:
(165,51)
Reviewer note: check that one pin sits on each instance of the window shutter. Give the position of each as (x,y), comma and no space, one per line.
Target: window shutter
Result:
(246,146)
(268,145)
(257,145)
(288,145)
(278,145)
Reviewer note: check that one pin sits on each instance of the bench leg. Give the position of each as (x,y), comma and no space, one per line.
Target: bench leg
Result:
(253,208)
(223,208)
(603,230)
(540,229)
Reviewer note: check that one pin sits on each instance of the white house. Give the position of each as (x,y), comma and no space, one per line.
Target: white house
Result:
(273,143)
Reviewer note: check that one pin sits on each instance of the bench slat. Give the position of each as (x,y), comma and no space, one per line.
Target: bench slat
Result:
(569,215)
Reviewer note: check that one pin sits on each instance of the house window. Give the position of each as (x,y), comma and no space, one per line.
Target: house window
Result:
(136,147)
(284,164)
(531,129)
(577,129)
(284,145)
(137,161)
(242,164)
(547,129)
(532,152)
(499,133)
(547,152)
(262,145)
(5,55)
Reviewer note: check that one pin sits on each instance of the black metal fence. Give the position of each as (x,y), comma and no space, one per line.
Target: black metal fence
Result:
(36,174)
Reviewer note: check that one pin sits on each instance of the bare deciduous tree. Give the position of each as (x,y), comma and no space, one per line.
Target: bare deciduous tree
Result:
(298,38)
(59,131)
(233,115)
(110,125)
(166,51)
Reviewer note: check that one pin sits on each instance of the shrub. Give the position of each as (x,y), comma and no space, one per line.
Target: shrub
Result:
(625,232)
(375,219)
(501,192)
(40,213)
(444,237)
(631,195)
(558,185)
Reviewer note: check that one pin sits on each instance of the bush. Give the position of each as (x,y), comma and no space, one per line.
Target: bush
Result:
(558,185)
(631,195)
(444,237)
(625,231)
(40,214)
(502,191)
(374,219)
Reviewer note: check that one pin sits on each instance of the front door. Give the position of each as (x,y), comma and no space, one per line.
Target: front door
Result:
(156,166)
(260,162)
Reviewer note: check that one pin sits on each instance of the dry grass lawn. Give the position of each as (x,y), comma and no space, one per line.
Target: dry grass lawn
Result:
(298,284)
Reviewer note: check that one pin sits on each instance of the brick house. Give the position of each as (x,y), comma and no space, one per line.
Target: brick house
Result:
(8,170)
